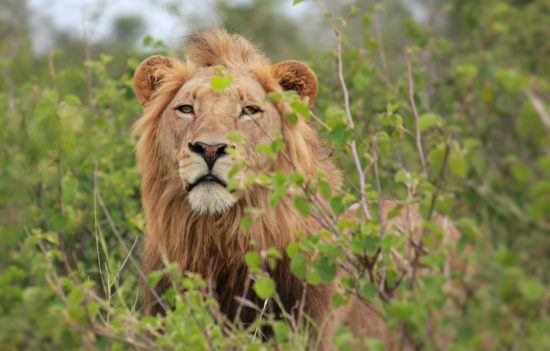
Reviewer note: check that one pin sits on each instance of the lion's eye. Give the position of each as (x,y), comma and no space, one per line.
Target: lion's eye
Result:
(250,111)
(186,109)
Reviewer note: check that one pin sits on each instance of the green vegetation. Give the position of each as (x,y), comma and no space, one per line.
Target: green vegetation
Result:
(470,84)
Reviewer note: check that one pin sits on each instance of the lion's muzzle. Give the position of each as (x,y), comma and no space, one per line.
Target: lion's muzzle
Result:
(204,172)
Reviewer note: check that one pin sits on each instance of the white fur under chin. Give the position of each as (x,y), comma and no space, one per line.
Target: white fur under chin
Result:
(210,198)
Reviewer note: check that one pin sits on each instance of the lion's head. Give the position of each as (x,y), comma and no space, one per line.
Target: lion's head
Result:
(186,123)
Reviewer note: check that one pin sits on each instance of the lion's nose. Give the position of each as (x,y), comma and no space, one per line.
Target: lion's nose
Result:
(210,152)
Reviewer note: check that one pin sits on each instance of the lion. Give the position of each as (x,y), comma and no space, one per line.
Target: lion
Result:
(184,157)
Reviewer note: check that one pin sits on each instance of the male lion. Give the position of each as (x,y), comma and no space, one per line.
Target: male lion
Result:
(192,218)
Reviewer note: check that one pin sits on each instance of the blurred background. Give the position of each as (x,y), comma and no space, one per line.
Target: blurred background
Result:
(120,27)
(481,73)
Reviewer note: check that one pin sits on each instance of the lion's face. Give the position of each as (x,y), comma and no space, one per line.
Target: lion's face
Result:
(186,124)
(195,128)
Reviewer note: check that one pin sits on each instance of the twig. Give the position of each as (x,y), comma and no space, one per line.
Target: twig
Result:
(539,107)
(123,264)
(319,120)
(266,302)
(352,144)
(302,300)
(418,135)
(240,306)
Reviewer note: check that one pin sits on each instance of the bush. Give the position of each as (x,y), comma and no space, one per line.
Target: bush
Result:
(456,125)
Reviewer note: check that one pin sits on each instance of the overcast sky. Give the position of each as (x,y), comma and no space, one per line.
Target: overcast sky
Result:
(77,16)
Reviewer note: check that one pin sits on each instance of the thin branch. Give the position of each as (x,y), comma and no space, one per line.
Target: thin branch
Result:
(352,144)
(538,105)
(418,135)
(240,300)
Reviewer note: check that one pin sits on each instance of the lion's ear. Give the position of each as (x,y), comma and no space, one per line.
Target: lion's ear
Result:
(297,76)
(148,76)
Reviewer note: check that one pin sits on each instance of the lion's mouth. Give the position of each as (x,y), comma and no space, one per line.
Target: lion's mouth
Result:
(208,178)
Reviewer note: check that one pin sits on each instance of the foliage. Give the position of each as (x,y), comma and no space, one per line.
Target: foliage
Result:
(468,86)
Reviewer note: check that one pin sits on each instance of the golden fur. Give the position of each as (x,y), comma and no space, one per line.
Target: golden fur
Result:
(209,240)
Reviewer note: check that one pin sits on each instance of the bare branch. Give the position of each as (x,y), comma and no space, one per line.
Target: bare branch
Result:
(418,135)
(539,107)
(351,124)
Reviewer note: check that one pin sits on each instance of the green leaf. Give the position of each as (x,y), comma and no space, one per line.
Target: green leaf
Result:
(273,252)
(429,120)
(457,162)
(366,243)
(281,330)
(44,109)
(220,83)
(153,278)
(300,107)
(402,176)
(278,145)
(326,269)
(337,300)
(433,259)
(375,344)
(264,288)
(340,135)
(252,260)
(387,242)
(298,265)
(325,190)
(302,205)
(236,137)
(147,40)
(275,198)
(532,290)
(522,173)
(292,249)
(343,339)
(291,118)
(436,157)
(246,221)
(337,205)
(266,150)
(274,96)
(72,99)
(362,80)
(368,291)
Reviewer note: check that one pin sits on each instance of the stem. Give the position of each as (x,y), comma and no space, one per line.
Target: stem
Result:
(418,135)
(351,124)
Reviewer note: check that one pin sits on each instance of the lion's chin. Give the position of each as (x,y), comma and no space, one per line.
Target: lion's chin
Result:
(210,198)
